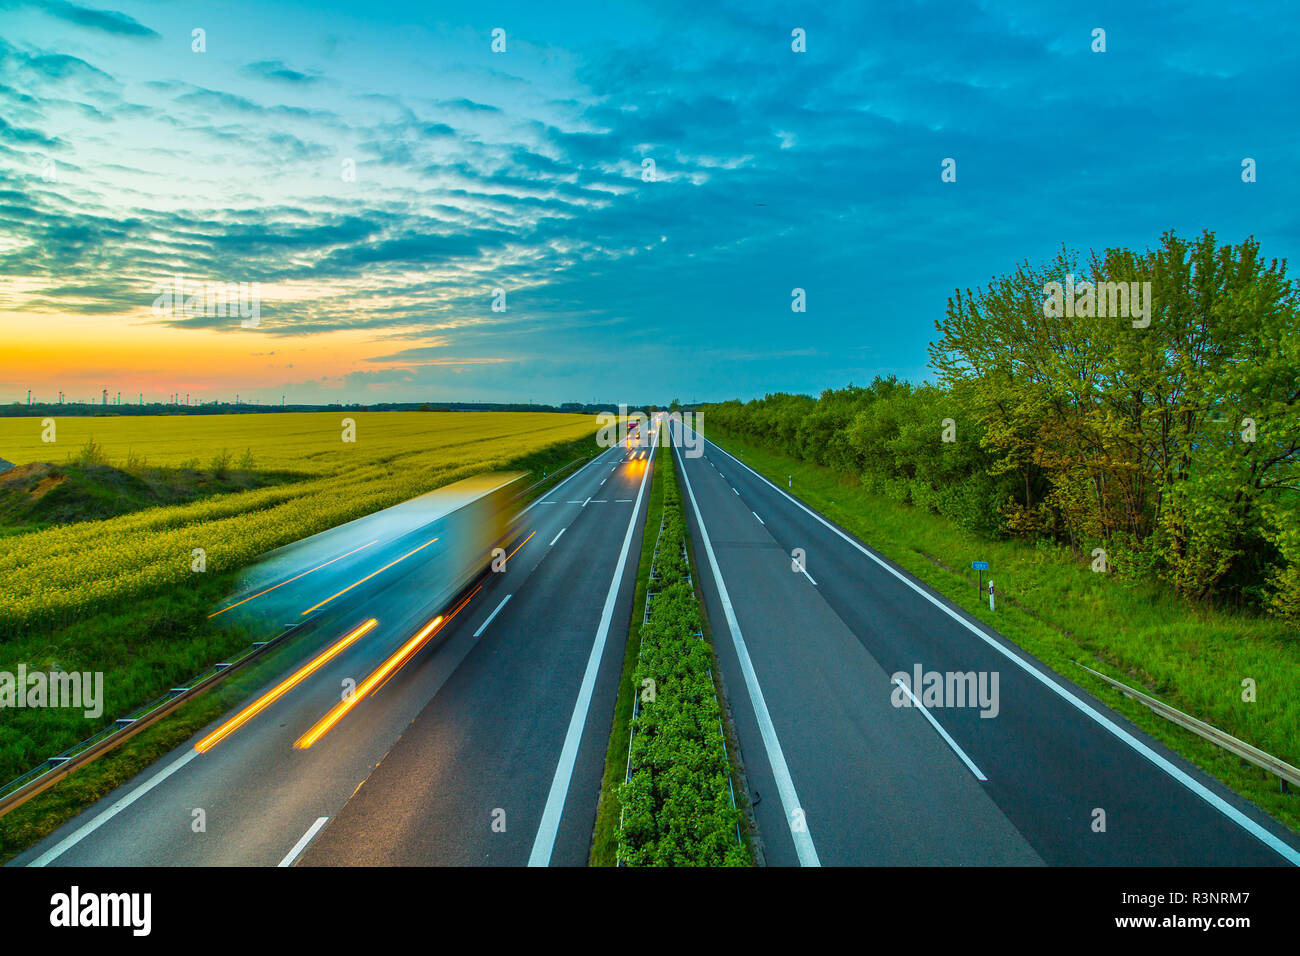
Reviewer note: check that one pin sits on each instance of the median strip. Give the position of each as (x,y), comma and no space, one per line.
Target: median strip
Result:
(678,803)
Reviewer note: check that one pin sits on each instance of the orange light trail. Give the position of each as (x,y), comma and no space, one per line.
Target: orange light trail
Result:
(288,684)
(377,679)
(521,544)
(369,576)
(291,580)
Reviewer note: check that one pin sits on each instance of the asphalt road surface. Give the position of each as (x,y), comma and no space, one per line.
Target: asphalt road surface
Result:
(485,747)
(808,650)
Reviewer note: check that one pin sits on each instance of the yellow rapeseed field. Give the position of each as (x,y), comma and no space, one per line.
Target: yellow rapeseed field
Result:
(48,576)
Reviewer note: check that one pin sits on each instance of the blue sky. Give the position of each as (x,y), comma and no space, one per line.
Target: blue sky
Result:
(523,170)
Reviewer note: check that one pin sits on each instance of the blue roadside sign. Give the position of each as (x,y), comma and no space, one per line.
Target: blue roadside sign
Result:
(979,565)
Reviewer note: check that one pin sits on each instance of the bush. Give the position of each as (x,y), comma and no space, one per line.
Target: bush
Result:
(677,803)
(92,453)
(221,463)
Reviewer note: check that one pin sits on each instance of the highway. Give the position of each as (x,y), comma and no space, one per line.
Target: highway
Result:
(482,735)
(483,743)
(843,776)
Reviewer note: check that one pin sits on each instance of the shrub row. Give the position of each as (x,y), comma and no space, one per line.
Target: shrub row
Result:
(677,807)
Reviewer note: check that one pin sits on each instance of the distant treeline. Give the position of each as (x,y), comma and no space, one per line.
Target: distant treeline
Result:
(21,409)
(1174,446)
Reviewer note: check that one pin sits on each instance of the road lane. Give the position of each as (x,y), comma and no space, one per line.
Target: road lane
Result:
(259,795)
(1050,765)
(875,784)
(468,782)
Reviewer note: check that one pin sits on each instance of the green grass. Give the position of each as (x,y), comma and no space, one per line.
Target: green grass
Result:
(40,816)
(1057,609)
(151,644)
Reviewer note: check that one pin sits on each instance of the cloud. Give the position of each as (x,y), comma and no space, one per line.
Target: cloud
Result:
(109,21)
(277,71)
(775,170)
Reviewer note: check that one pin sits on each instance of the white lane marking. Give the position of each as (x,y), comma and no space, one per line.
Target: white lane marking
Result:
(544,844)
(587,502)
(557,537)
(1282,848)
(69,842)
(567,480)
(760,520)
(737,492)
(979,774)
(802,836)
(576,502)
(621,501)
(72,840)
(302,843)
(483,627)
(808,576)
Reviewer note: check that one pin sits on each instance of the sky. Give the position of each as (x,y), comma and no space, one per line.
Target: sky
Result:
(375,172)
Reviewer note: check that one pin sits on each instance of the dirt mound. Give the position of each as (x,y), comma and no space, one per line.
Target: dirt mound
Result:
(27,477)
(42,494)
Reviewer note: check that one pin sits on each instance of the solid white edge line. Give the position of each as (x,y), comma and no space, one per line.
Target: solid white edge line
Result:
(979,774)
(483,627)
(803,843)
(557,537)
(549,828)
(302,842)
(69,842)
(72,840)
(1269,839)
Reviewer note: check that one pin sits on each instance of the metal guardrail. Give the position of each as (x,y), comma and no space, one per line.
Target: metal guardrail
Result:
(636,697)
(551,477)
(43,776)
(1265,761)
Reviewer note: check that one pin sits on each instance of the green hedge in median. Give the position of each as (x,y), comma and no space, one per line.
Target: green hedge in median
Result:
(677,806)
